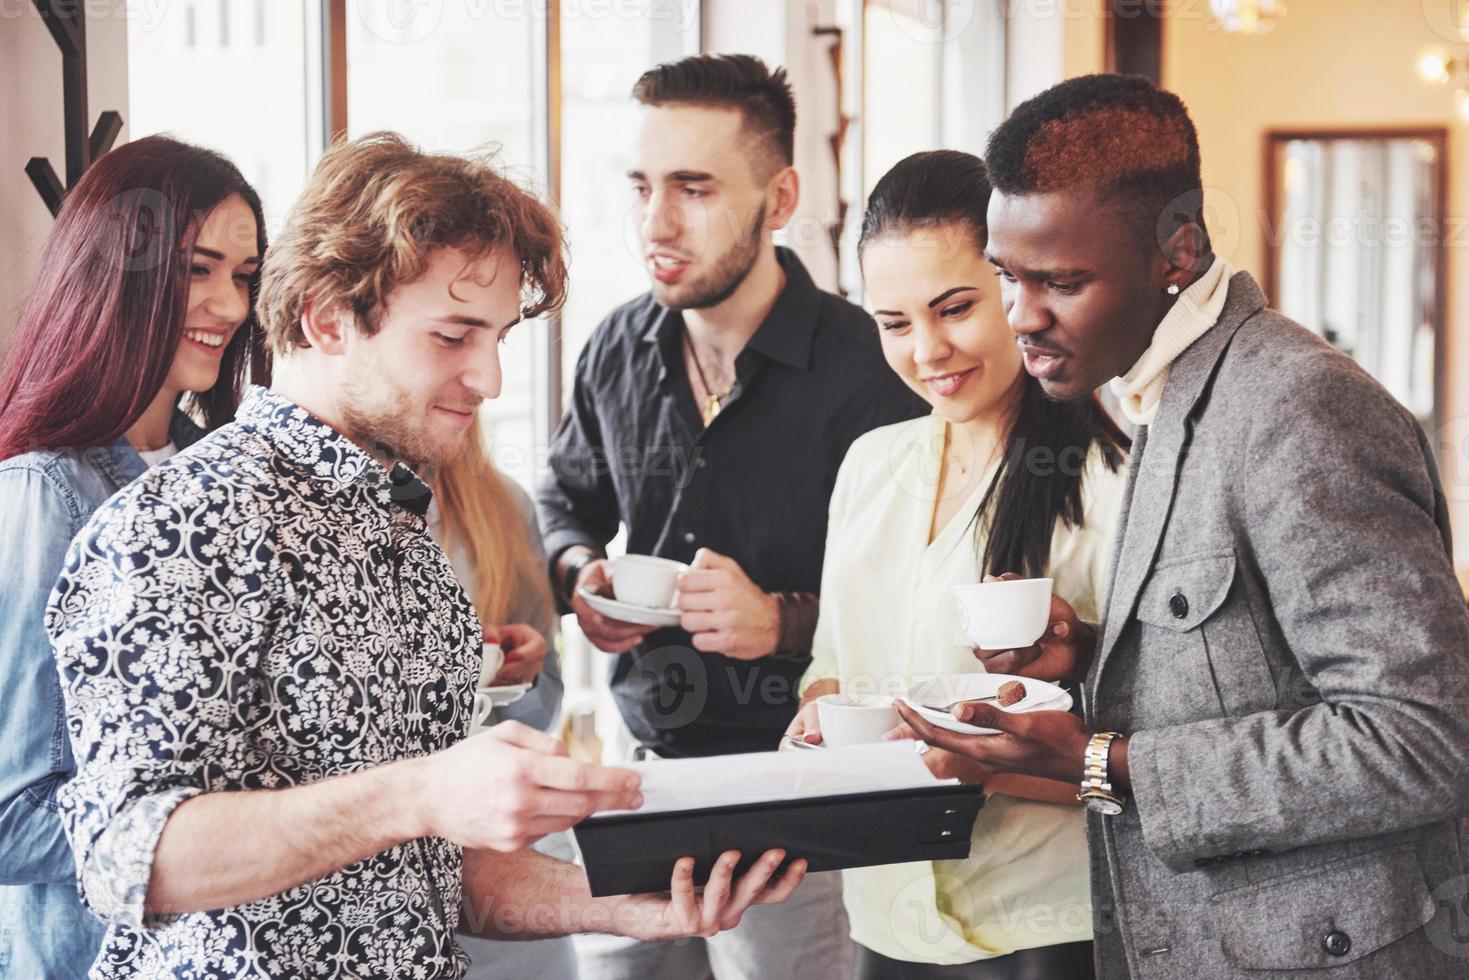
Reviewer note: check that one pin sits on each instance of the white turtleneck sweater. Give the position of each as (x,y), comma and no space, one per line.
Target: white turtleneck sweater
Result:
(1195,311)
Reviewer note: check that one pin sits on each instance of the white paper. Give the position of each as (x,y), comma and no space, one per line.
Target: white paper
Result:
(761,777)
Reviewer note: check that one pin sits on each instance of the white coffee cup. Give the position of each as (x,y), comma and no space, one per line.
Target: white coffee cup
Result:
(483,703)
(643,580)
(851,719)
(494,660)
(1006,615)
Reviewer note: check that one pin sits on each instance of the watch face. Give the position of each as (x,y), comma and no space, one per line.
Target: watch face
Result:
(1104,806)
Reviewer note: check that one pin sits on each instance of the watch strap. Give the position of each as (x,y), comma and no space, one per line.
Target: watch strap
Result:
(1096,781)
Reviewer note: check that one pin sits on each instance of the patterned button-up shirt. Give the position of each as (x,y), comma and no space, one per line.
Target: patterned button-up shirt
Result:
(262,611)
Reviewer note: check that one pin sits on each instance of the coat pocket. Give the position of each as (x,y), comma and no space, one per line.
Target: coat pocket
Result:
(1182,593)
(1195,607)
(1325,916)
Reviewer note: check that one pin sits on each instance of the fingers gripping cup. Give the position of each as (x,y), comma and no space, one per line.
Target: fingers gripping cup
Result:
(1006,615)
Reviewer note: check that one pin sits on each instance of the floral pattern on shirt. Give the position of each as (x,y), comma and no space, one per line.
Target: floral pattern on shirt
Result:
(262,611)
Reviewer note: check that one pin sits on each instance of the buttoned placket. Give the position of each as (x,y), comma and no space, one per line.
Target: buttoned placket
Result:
(679,529)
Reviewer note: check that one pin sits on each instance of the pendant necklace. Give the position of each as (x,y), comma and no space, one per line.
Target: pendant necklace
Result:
(712,402)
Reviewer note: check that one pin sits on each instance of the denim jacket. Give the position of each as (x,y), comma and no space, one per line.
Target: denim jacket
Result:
(45,498)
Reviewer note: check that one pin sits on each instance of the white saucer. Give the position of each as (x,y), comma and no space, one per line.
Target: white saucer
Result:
(504,694)
(626,612)
(948,688)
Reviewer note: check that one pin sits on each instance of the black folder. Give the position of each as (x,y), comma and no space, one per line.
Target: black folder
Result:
(627,853)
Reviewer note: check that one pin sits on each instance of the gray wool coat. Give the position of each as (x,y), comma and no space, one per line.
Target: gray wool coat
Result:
(1288,650)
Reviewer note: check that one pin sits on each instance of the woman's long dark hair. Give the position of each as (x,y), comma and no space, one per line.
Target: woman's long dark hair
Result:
(1039,479)
(105,316)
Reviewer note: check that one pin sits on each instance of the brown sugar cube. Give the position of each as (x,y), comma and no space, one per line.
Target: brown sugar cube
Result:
(1011,692)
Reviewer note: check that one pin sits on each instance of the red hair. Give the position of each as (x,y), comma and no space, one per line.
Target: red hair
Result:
(100,327)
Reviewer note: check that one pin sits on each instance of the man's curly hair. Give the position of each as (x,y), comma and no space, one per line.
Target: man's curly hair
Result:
(372,214)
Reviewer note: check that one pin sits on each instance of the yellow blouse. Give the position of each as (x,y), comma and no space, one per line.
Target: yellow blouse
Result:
(888,620)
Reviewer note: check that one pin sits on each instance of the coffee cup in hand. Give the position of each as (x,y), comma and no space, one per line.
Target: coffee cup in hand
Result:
(1008,614)
(643,580)
(851,719)
(483,702)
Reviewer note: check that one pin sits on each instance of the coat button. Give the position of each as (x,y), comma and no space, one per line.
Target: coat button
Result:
(688,537)
(1178,604)
(1337,943)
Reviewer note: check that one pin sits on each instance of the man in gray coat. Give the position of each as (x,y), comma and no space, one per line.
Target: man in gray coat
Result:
(1276,745)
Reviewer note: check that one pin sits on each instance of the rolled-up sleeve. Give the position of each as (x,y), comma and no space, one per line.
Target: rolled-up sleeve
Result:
(156,622)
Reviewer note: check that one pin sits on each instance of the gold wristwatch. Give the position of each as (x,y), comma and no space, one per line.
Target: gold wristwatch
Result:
(1096,790)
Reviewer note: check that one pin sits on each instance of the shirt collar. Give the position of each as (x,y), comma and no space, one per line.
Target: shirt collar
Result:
(786,333)
(326,455)
(789,328)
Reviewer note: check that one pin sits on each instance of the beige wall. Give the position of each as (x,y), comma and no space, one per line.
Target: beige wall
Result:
(30,119)
(1329,63)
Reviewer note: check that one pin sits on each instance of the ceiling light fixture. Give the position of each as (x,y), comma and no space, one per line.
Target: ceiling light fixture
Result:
(1247,16)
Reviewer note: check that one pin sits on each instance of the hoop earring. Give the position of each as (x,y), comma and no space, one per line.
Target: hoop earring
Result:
(1172,289)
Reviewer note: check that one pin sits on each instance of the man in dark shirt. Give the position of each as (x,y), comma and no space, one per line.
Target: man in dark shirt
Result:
(710,417)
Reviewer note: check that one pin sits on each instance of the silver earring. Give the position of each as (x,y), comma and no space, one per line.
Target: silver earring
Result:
(1172,289)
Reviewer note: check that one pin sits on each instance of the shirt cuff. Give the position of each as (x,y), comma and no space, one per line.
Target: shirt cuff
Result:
(798,614)
(113,882)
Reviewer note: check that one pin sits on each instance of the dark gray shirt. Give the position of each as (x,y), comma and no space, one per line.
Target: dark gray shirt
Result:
(754,486)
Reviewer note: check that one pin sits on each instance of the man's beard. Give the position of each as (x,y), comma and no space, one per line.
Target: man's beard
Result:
(720,283)
(381,425)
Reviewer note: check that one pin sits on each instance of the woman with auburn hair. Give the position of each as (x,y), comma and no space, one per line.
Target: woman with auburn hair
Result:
(487,525)
(997,481)
(143,302)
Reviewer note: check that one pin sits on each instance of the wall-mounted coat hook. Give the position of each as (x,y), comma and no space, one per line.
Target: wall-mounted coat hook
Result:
(66,20)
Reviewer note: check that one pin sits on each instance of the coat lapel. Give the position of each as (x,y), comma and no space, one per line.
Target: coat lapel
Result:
(1154,475)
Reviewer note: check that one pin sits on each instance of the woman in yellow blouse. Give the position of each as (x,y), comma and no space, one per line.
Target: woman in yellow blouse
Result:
(997,480)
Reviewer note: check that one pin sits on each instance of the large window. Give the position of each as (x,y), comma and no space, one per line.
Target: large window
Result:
(933,76)
(917,75)
(464,77)
(453,76)
(601,57)
(239,76)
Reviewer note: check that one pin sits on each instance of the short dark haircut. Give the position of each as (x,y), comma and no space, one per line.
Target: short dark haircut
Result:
(1017,517)
(1118,135)
(729,81)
